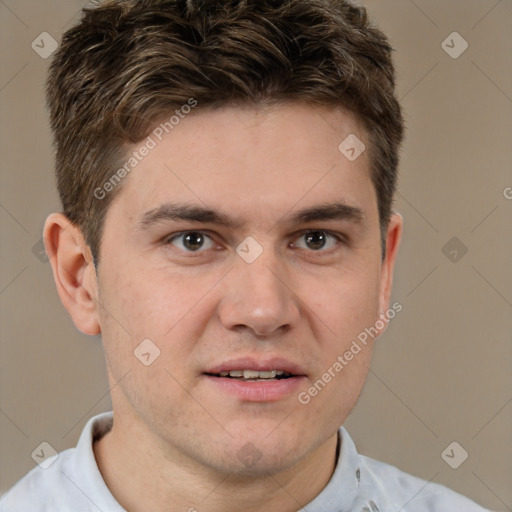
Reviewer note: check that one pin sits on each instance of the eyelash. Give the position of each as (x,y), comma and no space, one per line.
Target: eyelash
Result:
(340,239)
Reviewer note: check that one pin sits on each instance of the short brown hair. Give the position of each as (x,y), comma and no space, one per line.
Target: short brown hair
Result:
(130,63)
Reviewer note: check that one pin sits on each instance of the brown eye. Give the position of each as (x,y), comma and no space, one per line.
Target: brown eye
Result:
(191,241)
(317,241)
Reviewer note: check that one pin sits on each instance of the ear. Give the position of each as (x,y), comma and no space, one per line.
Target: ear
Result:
(73,271)
(393,237)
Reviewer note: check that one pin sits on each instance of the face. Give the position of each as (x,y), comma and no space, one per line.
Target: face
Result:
(246,247)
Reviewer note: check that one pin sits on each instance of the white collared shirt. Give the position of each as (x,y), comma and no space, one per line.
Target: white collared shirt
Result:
(72,482)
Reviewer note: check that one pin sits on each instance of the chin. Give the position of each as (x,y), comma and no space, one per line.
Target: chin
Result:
(250,461)
(258,454)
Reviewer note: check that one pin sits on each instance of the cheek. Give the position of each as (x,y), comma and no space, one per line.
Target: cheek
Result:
(169,309)
(159,317)
(152,302)
(343,304)
(348,304)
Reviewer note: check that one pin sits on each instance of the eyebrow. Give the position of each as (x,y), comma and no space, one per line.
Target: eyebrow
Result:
(330,211)
(204,215)
(186,212)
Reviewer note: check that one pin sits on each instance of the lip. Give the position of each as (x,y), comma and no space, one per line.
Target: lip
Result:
(270,391)
(263,391)
(258,364)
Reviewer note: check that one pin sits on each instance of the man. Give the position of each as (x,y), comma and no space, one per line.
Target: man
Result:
(227,172)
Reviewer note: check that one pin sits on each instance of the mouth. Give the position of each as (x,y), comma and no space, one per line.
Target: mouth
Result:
(254,379)
(253,375)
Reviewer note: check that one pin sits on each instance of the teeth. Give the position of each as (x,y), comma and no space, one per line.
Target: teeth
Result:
(250,374)
(253,374)
(267,375)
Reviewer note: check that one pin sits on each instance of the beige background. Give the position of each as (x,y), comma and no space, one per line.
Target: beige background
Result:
(441,373)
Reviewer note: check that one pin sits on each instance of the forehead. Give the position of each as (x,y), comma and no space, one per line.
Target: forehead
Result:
(253,160)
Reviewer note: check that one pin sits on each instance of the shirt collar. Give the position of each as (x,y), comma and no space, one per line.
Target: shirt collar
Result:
(85,473)
(342,489)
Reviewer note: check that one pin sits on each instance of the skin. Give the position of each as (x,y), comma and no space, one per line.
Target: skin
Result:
(176,437)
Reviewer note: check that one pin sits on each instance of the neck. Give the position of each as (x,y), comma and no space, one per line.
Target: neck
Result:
(143,477)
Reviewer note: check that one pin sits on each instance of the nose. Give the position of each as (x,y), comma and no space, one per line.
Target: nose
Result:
(258,298)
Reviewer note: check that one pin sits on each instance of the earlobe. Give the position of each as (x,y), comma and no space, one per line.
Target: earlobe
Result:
(73,271)
(393,238)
